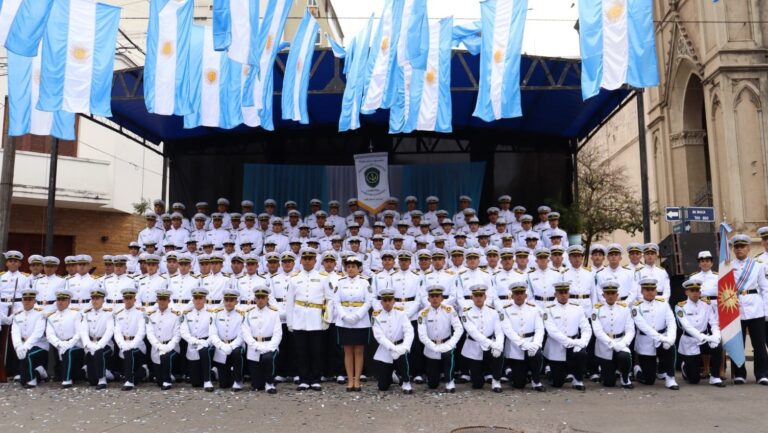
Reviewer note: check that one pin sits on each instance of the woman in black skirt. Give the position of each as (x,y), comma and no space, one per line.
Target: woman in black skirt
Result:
(352,301)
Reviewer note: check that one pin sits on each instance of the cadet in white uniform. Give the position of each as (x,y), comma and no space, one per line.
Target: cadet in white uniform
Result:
(262,332)
(195,330)
(28,336)
(485,340)
(183,283)
(163,334)
(505,277)
(701,331)
(226,335)
(114,284)
(130,330)
(62,333)
(152,282)
(351,304)
(614,271)
(656,332)
(439,330)
(524,328)
(569,333)
(96,331)
(614,330)
(49,284)
(394,333)
(542,279)
(651,270)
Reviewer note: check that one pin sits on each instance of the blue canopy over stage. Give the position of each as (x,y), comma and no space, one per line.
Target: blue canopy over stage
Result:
(551,100)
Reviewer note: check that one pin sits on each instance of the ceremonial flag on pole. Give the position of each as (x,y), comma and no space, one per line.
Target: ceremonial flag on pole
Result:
(728,303)
(23,92)
(78,57)
(412,45)
(215,84)
(297,68)
(381,60)
(372,173)
(502,23)
(236,28)
(617,45)
(166,80)
(8,10)
(27,27)
(355,65)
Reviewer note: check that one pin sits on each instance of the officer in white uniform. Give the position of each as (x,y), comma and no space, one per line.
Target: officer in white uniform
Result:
(441,276)
(471,276)
(569,333)
(439,330)
(582,291)
(614,331)
(150,233)
(524,328)
(62,333)
(701,330)
(382,279)
(163,334)
(96,330)
(656,332)
(707,277)
(262,332)
(114,284)
(28,337)
(485,340)
(226,336)
(196,321)
(152,282)
(130,330)
(542,279)
(49,284)
(183,283)
(394,333)
(651,270)
(407,286)
(614,271)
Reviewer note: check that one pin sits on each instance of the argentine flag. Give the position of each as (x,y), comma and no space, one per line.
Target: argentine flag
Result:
(297,68)
(380,92)
(215,84)
(469,35)
(236,28)
(617,45)
(78,57)
(166,83)
(502,25)
(357,56)
(27,27)
(8,10)
(338,50)
(23,91)
(412,45)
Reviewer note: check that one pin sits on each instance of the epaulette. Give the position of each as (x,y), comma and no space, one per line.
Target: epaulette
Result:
(529,303)
(226,274)
(531,270)
(340,273)
(447,308)
(550,305)
(38,308)
(574,303)
(424,312)
(116,312)
(188,310)
(467,308)
(107,309)
(660,299)
(2,272)
(588,268)
(626,267)
(758,255)
(342,278)
(96,276)
(294,273)
(449,272)
(519,271)
(18,312)
(25,274)
(176,312)
(243,312)
(428,271)
(706,300)
(623,304)
(377,272)
(214,310)
(599,270)
(484,270)
(50,314)
(273,308)
(323,273)
(461,272)
(714,273)
(74,308)
(697,272)
(241,276)
(376,313)
(142,277)
(681,303)
(66,277)
(414,272)
(597,305)
(638,302)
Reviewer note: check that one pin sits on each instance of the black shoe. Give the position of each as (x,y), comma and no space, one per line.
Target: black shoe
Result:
(673,387)
(628,386)
(272,391)
(350,389)
(496,390)
(316,387)
(357,389)
(69,385)
(408,391)
(418,380)
(165,387)
(539,388)
(579,387)
(127,388)
(209,389)
(719,384)
(101,386)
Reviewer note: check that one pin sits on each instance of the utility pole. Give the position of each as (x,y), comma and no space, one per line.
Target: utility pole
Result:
(643,166)
(50,211)
(6,193)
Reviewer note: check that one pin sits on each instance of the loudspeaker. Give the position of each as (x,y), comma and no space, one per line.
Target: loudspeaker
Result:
(679,252)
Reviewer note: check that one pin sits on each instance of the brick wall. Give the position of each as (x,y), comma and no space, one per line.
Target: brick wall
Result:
(86,226)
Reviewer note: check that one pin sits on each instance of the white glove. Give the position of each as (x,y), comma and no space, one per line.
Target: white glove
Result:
(532,349)
(90,347)
(612,344)
(525,346)
(63,347)
(713,344)
(395,353)
(576,348)
(569,343)
(227,349)
(498,346)
(444,348)
(21,353)
(495,352)
(665,345)
(618,346)
(485,346)
(290,328)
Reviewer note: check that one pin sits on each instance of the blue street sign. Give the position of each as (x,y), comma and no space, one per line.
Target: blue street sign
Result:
(672,214)
(701,214)
(681,227)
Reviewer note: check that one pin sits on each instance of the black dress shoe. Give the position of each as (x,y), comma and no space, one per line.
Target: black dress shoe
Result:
(719,384)
(408,391)
(101,386)
(628,386)
(452,390)
(272,391)
(579,387)
(497,390)
(350,389)
(69,385)
(165,387)
(127,388)
(539,388)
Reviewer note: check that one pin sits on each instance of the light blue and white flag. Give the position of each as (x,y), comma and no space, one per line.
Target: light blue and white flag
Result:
(380,92)
(166,79)
(215,84)
(78,57)
(8,10)
(618,45)
(297,68)
(357,55)
(502,25)
(27,27)
(338,50)
(469,35)
(236,28)
(23,92)
(414,35)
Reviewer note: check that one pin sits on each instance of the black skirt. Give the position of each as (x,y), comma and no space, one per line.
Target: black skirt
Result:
(352,336)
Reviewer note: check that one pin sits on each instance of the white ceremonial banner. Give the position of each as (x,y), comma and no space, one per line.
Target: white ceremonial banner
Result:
(371,170)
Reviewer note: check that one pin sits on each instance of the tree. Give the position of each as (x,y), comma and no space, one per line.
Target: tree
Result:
(605,200)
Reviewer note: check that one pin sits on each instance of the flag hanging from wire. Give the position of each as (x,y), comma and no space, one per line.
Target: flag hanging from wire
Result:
(8,10)
(297,69)
(27,28)
(380,91)
(236,28)
(357,56)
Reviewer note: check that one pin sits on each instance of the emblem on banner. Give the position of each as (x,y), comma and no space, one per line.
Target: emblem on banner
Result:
(372,177)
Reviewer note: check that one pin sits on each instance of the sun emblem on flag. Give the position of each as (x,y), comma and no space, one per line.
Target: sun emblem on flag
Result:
(36,76)
(728,298)
(384,44)
(80,53)
(615,10)
(298,66)
(246,70)
(431,76)
(211,75)
(167,48)
(269,42)
(498,56)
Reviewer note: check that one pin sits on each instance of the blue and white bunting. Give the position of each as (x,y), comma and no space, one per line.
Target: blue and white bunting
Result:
(215,84)
(357,56)
(617,45)
(297,68)
(502,25)
(78,57)
(236,28)
(469,35)
(28,26)
(23,92)
(380,92)
(414,35)
(166,80)
(8,10)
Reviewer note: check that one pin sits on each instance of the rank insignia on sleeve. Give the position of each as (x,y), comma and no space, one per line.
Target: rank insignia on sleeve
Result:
(545,316)
(680,313)
(421,320)
(594,316)
(634,312)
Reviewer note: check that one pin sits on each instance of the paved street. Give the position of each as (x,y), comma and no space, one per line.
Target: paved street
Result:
(699,408)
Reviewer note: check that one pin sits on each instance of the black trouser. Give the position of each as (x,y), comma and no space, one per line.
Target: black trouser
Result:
(71,364)
(200,369)
(757,335)
(232,369)
(384,371)
(691,365)
(477,368)
(36,357)
(263,370)
(593,363)
(574,363)
(648,365)
(621,361)
(132,365)
(164,369)
(180,367)
(462,367)
(309,349)
(11,360)
(521,367)
(333,362)
(96,364)
(434,367)
(286,363)
(416,358)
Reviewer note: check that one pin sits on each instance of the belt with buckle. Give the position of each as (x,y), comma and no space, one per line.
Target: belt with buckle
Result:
(505,297)
(117,301)
(280,299)
(619,335)
(661,331)
(128,337)
(467,297)
(308,304)
(623,298)
(748,292)
(578,296)
(439,341)
(352,303)
(17,299)
(411,299)
(227,341)
(527,335)
(397,342)
(183,301)
(46,302)
(261,339)
(492,338)
(544,298)
(165,342)
(213,301)
(703,333)
(94,339)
